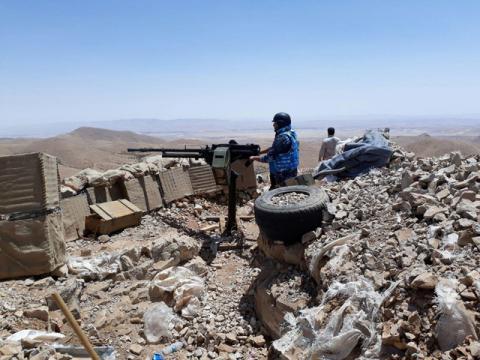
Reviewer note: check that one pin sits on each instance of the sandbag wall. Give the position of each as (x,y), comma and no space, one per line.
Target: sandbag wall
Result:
(146,191)
(31,226)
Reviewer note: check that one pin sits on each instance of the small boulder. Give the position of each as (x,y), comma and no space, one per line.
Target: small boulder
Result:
(258,341)
(136,349)
(426,281)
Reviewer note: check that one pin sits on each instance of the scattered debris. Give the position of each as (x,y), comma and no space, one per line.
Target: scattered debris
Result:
(393,269)
(289,198)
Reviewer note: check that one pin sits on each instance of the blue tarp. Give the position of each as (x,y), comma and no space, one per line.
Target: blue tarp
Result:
(359,158)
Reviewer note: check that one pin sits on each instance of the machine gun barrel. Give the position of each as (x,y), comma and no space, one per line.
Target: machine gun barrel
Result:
(162,150)
(237,151)
(189,153)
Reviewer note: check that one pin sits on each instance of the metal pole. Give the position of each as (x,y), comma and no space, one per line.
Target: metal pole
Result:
(232,203)
(74,324)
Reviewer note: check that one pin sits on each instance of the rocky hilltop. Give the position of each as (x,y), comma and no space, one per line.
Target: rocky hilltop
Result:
(394,272)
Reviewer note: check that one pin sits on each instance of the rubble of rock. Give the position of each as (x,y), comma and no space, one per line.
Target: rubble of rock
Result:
(393,273)
(289,198)
(115,285)
(281,290)
(412,226)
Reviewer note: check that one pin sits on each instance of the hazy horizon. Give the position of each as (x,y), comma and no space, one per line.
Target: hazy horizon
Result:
(462,126)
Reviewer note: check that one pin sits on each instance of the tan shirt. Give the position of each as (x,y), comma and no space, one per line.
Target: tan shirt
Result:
(327,150)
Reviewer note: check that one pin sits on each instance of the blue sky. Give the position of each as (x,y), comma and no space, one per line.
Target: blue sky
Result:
(104,60)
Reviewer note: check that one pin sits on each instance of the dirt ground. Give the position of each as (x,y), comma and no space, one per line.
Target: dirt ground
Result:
(111,310)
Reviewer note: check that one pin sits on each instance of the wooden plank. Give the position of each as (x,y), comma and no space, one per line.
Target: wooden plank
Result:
(247,218)
(235,246)
(115,209)
(131,206)
(210,227)
(100,212)
(222,224)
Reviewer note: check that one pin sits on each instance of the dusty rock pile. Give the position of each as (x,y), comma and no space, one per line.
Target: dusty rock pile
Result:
(289,198)
(121,287)
(397,269)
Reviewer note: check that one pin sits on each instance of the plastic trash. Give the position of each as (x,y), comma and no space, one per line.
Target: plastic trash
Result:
(172,348)
(157,320)
(316,334)
(477,286)
(339,347)
(96,268)
(450,241)
(35,335)
(455,322)
(181,284)
(157,356)
(104,352)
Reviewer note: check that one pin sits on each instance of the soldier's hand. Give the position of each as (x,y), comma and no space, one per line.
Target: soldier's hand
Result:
(255,158)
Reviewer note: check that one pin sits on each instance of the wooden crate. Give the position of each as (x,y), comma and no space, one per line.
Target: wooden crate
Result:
(112,216)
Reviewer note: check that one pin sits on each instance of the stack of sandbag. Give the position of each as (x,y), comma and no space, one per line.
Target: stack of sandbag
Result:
(93,178)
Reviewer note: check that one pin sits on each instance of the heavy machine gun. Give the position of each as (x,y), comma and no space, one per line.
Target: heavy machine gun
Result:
(219,157)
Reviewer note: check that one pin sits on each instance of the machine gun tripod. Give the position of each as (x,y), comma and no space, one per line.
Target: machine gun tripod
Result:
(220,157)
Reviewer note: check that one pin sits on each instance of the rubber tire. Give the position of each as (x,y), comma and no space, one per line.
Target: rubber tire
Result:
(289,223)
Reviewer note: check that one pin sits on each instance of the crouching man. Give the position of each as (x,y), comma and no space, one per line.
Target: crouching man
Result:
(283,156)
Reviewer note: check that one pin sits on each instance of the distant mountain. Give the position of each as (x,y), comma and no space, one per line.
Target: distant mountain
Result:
(165,128)
(92,133)
(86,147)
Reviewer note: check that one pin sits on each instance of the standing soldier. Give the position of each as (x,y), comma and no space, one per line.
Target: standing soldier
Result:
(329,145)
(283,156)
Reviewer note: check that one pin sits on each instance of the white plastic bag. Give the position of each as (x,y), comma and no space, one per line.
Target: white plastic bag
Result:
(157,320)
(96,268)
(316,334)
(183,286)
(455,322)
(35,335)
(338,347)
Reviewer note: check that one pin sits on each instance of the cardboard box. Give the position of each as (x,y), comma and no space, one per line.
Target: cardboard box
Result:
(246,179)
(31,227)
(74,210)
(144,192)
(102,194)
(31,246)
(202,179)
(112,216)
(28,184)
(175,184)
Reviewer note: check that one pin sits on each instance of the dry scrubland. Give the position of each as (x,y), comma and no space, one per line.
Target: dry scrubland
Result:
(106,149)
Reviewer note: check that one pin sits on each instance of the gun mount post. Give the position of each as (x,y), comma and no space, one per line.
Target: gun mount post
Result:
(232,203)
